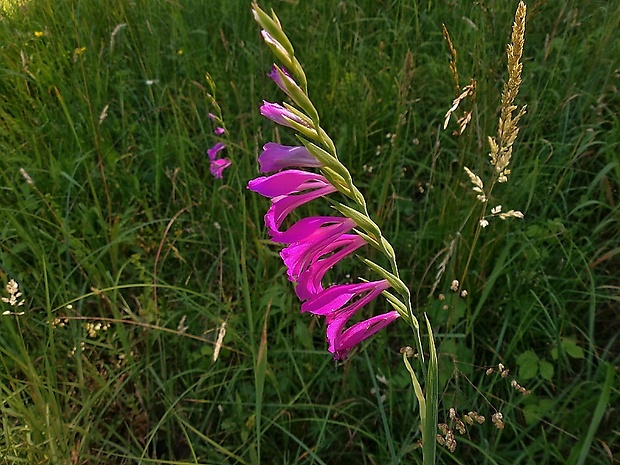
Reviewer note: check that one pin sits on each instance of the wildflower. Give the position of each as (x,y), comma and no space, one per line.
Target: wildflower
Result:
(282,77)
(219,131)
(316,241)
(213,151)
(218,166)
(335,304)
(39,34)
(282,115)
(180,52)
(276,157)
(309,280)
(288,190)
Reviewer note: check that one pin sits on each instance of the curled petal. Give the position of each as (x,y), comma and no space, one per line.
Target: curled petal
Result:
(288,190)
(299,255)
(309,280)
(338,304)
(213,151)
(341,342)
(307,226)
(218,166)
(279,114)
(276,157)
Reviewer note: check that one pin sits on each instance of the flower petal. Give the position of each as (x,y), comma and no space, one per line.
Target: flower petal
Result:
(300,255)
(288,190)
(309,280)
(218,166)
(276,157)
(279,114)
(335,304)
(341,344)
(213,151)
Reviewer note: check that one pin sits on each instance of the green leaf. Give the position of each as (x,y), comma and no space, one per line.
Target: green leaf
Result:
(546,370)
(572,349)
(528,365)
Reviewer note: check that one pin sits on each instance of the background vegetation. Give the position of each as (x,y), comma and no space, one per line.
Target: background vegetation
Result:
(130,255)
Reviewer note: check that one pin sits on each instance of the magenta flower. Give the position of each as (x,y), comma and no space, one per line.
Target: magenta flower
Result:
(288,190)
(276,157)
(305,250)
(335,304)
(279,114)
(213,151)
(218,166)
(309,280)
(219,131)
(279,80)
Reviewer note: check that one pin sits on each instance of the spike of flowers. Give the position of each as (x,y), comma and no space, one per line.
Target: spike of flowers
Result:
(315,244)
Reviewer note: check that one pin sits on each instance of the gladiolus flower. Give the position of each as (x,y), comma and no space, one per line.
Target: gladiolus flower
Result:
(279,114)
(309,280)
(279,80)
(213,151)
(288,190)
(276,157)
(218,166)
(334,304)
(303,252)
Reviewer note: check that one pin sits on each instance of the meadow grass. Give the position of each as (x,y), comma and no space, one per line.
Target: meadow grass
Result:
(130,256)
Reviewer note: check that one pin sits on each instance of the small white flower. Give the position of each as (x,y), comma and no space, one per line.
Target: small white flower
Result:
(484,223)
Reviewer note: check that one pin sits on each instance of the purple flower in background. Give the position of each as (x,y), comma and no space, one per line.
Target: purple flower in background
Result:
(213,151)
(276,157)
(338,304)
(218,166)
(288,190)
(219,131)
(279,114)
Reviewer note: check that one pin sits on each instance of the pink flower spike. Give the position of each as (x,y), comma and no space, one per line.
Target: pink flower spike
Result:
(301,254)
(213,151)
(334,304)
(276,157)
(218,166)
(309,280)
(279,114)
(288,190)
(212,116)
(219,131)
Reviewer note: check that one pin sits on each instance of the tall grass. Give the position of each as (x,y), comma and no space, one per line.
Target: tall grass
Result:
(112,218)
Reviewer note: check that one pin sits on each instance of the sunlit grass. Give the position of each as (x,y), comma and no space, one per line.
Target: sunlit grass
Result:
(112,217)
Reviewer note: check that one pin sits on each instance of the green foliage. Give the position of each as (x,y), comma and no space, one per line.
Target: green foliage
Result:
(112,217)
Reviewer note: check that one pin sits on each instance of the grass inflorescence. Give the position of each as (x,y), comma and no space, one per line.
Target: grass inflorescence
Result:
(146,318)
